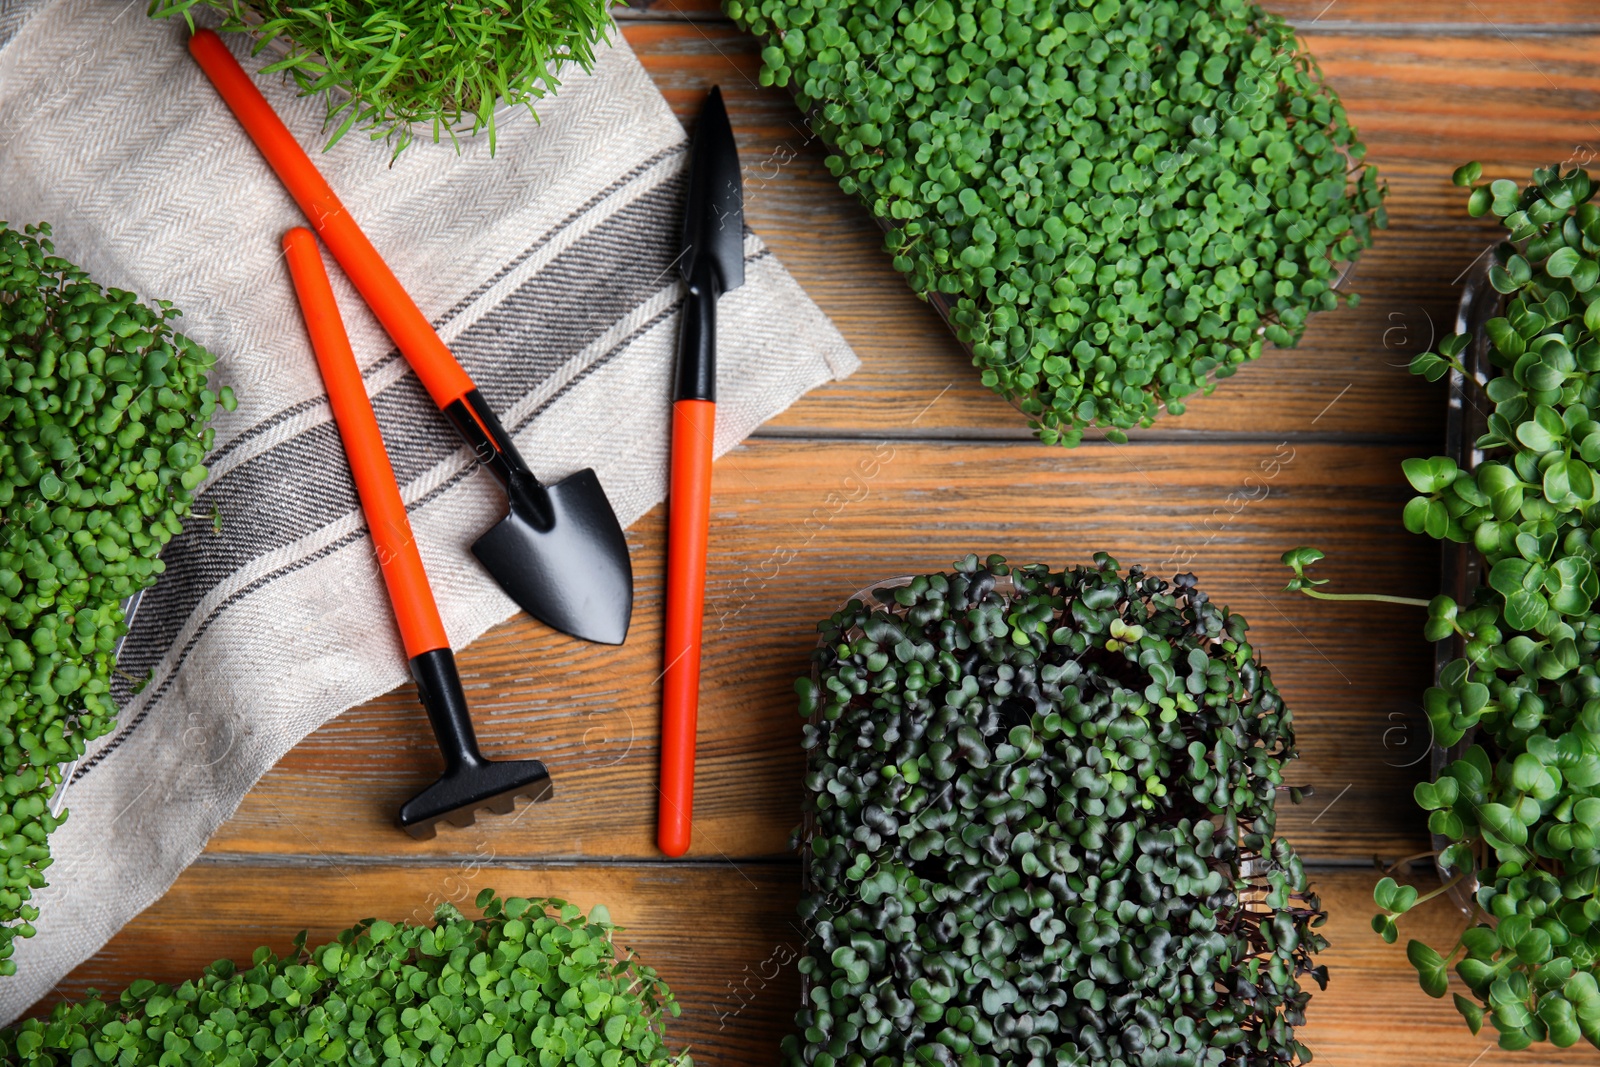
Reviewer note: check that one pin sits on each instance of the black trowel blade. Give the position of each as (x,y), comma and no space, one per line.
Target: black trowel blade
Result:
(713,219)
(560,554)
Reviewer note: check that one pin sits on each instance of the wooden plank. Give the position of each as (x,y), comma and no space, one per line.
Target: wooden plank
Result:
(1456,17)
(1446,99)
(798,526)
(723,938)
(1425,106)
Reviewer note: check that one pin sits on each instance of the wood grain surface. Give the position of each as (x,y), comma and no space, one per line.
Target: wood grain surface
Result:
(907,465)
(723,937)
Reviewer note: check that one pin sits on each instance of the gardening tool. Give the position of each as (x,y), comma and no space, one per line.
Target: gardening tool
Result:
(712,263)
(470,781)
(559,552)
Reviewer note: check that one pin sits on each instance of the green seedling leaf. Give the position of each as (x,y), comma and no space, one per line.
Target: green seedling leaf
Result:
(1430,966)
(1542,433)
(1471,1012)
(1526,772)
(1500,826)
(1430,475)
(1562,262)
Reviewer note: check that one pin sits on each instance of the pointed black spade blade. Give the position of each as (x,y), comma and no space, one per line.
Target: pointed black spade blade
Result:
(713,219)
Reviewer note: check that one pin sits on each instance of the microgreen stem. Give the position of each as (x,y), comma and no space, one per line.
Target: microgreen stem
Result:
(1445,888)
(1391,868)
(1376,598)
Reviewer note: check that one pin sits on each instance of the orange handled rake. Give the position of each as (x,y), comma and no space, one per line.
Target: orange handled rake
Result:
(470,780)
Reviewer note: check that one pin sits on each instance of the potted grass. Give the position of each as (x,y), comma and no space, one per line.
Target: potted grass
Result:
(1515,800)
(1039,826)
(404,71)
(1112,209)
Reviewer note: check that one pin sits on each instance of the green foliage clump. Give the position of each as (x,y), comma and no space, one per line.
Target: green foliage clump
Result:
(398,68)
(104,411)
(1040,828)
(1111,205)
(1520,808)
(530,983)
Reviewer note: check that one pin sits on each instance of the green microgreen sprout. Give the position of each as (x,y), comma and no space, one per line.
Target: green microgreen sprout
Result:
(1519,806)
(533,982)
(1298,559)
(408,68)
(1113,205)
(104,410)
(1040,828)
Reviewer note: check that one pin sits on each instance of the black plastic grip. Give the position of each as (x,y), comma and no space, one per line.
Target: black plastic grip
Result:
(482,432)
(697,340)
(470,781)
(440,687)
(475,421)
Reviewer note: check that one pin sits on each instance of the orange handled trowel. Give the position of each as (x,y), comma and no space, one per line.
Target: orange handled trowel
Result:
(559,552)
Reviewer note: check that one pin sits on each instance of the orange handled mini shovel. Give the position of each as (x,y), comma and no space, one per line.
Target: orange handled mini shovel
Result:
(470,780)
(559,552)
(712,263)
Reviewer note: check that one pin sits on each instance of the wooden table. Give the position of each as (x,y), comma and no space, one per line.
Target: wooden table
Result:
(953,471)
